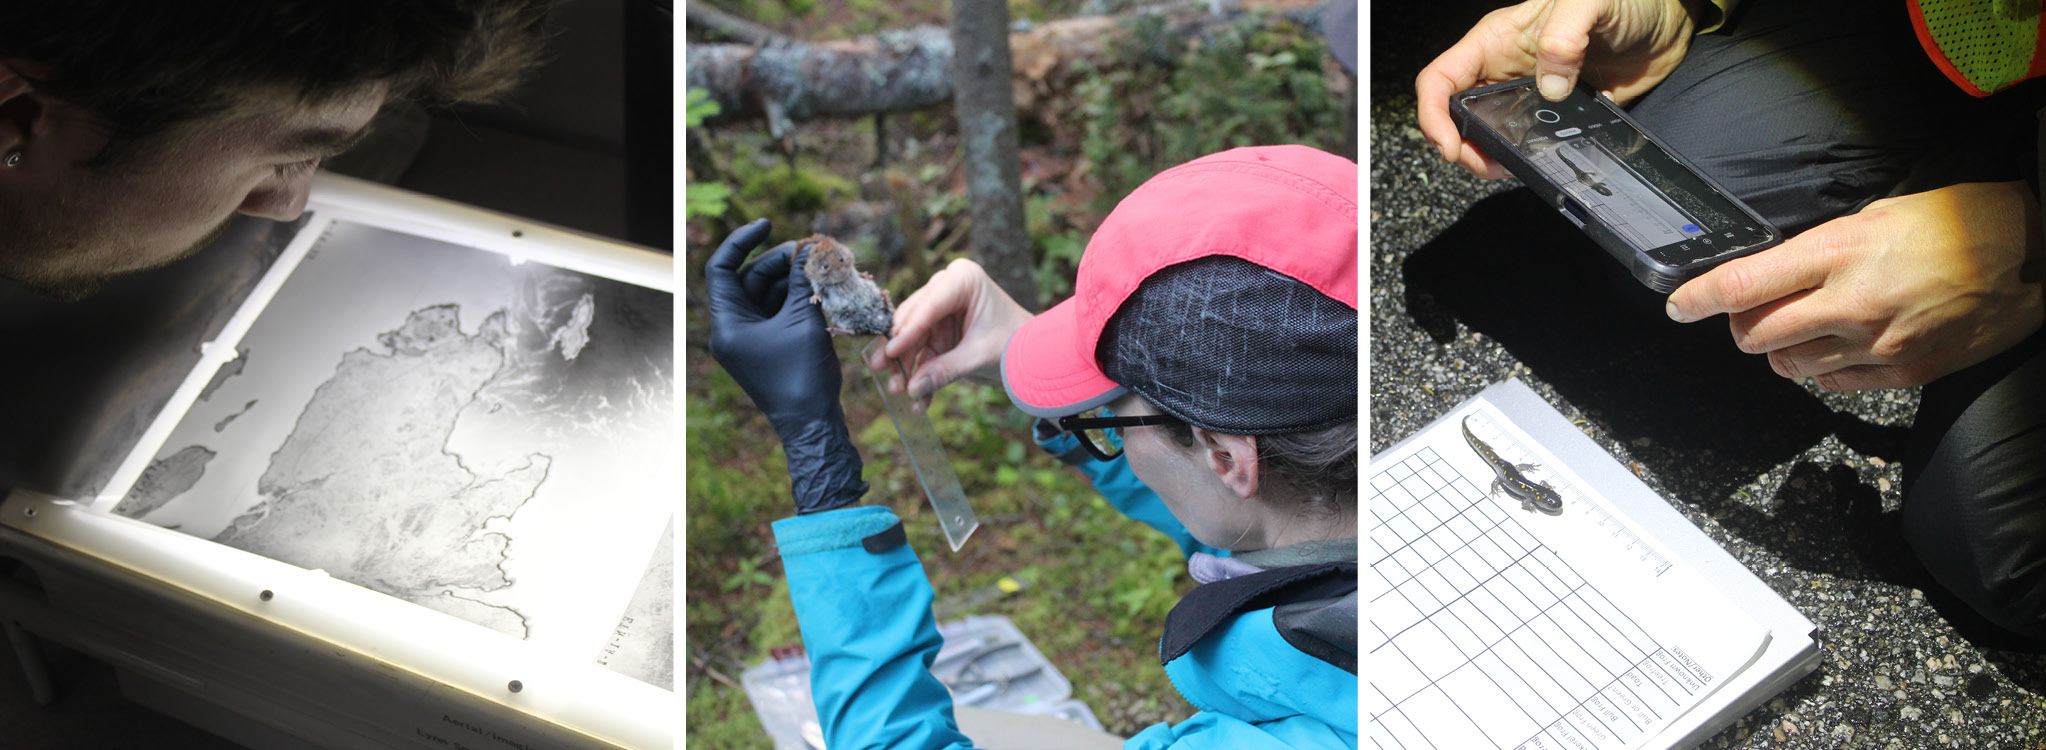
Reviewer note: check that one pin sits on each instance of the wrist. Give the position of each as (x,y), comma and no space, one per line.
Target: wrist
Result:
(824,466)
(1706,15)
(2033,269)
(2032,153)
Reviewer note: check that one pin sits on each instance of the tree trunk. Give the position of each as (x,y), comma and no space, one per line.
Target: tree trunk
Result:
(987,132)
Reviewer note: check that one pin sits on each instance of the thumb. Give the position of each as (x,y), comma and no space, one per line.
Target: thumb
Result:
(1559,52)
(797,311)
(799,283)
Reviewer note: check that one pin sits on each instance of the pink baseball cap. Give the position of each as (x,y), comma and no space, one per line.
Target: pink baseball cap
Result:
(1263,343)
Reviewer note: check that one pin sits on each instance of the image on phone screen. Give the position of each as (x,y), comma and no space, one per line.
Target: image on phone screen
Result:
(1615,173)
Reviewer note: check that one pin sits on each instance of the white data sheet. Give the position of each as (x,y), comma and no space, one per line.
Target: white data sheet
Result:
(1495,627)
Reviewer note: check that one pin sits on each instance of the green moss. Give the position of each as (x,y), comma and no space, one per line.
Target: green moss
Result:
(765,12)
(796,190)
(720,717)
(724,496)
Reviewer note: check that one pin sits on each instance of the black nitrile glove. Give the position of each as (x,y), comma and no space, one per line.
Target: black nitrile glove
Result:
(771,339)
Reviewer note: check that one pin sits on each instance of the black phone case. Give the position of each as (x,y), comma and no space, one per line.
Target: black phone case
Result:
(1655,274)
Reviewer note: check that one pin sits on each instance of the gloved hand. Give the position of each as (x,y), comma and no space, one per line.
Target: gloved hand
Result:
(771,339)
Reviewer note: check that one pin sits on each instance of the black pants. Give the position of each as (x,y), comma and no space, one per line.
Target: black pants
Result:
(1811,110)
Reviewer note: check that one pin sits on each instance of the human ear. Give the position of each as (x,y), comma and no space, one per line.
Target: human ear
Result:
(1233,458)
(23,112)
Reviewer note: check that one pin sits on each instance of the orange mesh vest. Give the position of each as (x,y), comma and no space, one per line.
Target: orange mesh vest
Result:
(1984,46)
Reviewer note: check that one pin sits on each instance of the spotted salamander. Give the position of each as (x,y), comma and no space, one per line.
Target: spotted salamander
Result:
(1511,481)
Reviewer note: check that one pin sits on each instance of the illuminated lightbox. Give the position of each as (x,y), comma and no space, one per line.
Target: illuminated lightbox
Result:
(471,416)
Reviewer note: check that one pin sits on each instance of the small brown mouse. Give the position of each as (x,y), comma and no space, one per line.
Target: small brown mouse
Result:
(852,302)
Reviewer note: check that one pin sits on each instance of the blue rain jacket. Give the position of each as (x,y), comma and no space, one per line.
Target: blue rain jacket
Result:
(864,606)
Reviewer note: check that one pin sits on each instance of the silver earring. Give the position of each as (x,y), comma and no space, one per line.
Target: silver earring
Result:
(12,160)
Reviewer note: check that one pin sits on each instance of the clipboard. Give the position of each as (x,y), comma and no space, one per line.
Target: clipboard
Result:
(1622,679)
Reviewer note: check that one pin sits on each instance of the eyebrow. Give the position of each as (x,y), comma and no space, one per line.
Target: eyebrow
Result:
(327,141)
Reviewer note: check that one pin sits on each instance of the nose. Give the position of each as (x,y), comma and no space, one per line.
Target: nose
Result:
(282,198)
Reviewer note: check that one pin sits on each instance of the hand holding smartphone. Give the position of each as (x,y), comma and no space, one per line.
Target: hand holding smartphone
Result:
(1648,207)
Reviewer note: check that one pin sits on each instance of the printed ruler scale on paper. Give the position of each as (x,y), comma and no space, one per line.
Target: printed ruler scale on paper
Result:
(1495,627)
(1618,532)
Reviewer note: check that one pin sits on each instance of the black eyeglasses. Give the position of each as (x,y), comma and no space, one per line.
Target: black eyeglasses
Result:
(1099,434)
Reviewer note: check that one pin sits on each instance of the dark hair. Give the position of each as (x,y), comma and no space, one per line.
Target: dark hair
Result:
(1319,466)
(145,66)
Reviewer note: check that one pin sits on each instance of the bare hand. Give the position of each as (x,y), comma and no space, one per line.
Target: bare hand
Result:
(1906,291)
(955,326)
(1624,47)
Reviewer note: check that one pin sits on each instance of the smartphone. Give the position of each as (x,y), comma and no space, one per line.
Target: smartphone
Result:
(1649,208)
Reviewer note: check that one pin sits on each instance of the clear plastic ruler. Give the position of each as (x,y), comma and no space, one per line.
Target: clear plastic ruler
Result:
(927,456)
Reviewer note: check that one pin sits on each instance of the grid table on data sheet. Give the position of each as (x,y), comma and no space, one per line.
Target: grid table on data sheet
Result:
(1481,636)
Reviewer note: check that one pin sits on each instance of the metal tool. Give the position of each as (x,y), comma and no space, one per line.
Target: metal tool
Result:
(927,457)
(969,682)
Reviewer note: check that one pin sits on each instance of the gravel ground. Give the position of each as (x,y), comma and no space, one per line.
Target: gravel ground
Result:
(1474,282)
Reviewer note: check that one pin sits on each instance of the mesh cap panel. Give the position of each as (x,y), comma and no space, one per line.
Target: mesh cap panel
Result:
(1237,348)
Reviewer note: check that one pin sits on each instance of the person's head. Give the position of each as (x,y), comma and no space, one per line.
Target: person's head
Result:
(131,132)
(1222,294)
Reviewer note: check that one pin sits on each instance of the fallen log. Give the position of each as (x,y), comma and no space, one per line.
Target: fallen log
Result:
(786,80)
(894,71)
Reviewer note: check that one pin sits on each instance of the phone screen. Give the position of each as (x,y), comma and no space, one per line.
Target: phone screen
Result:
(1634,187)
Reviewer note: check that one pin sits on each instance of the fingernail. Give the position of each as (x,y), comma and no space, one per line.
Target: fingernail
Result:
(1444,151)
(1555,87)
(921,388)
(1670,308)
